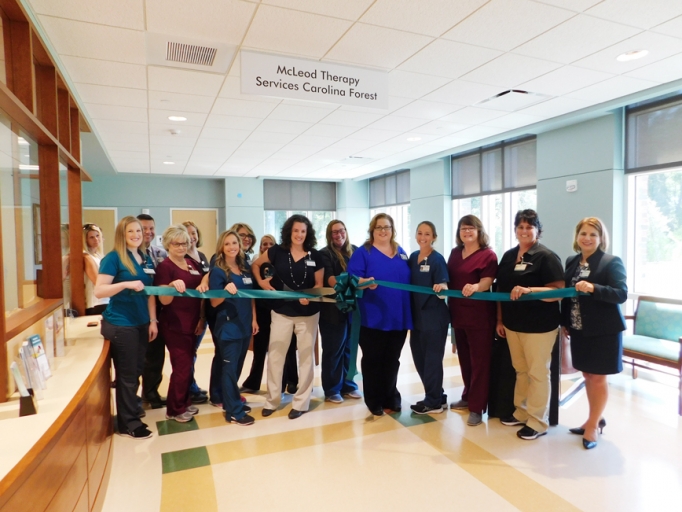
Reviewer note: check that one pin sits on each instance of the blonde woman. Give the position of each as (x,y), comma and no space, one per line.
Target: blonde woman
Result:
(92,256)
(129,321)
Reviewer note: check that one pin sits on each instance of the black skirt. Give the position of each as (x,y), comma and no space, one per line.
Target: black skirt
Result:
(600,355)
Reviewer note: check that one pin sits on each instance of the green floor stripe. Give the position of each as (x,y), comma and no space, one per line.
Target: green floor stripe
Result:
(174,427)
(185,459)
(407,419)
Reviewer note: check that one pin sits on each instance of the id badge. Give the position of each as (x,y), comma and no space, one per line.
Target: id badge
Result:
(404,256)
(194,272)
(205,270)
(310,263)
(424,268)
(520,267)
(247,280)
(149,271)
(584,273)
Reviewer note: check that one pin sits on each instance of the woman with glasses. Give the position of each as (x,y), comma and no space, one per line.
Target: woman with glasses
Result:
(198,395)
(298,266)
(335,325)
(594,322)
(472,267)
(531,326)
(385,312)
(92,256)
(179,319)
(129,321)
(248,238)
(431,319)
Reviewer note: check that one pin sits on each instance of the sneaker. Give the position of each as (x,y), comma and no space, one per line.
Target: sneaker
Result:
(199,398)
(529,434)
(355,395)
(192,409)
(155,400)
(185,417)
(214,404)
(474,419)
(459,405)
(335,399)
(424,409)
(377,412)
(250,391)
(246,408)
(140,432)
(511,421)
(243,421)
(141,413)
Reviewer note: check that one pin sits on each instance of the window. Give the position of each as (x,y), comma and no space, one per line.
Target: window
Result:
(655,230)
(274,220)
(653,140)
(390,194)
(493,183)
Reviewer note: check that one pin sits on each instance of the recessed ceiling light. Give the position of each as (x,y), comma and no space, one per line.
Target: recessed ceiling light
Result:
(633,55)
(413,139)
(169,163)
(177,118)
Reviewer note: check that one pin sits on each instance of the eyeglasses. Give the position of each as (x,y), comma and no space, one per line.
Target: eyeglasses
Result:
(467,229)
(179,244)
(338,232)
(383,228)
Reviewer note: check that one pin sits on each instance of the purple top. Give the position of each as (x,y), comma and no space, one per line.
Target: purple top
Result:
(384,308)
(183,313)
(470,270)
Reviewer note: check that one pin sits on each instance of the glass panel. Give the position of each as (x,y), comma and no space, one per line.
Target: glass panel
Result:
(654,136)
(401,217)
(64,225)
(466,175)
(657,234)
(274,220)
(20,212)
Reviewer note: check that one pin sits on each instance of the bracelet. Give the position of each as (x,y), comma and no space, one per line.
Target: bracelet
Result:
(153,320)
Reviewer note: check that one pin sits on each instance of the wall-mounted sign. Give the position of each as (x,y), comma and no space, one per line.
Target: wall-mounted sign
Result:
(289,77)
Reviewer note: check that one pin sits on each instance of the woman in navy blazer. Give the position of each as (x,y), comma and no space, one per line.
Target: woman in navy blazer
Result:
(594,322)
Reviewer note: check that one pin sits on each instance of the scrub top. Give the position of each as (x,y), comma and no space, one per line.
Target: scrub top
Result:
(234,316)
(125,309)
(181,315)
(428,311)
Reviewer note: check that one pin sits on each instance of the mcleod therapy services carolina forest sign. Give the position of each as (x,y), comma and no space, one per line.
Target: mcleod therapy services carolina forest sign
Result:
(288,77)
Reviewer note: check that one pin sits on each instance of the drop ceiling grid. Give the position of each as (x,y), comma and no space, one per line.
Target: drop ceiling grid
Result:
(115,13)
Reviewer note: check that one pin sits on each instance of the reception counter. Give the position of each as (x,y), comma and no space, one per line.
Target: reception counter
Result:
(57,459)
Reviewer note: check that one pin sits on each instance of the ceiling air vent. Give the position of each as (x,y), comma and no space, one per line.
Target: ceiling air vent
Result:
(190,54)
(512,100)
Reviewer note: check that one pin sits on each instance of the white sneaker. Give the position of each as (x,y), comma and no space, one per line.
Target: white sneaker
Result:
(192,409)
(185,417)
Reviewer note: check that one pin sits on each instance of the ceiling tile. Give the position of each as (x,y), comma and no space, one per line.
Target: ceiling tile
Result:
(263,136)
(347,118)
(670,28)
(367,45)
(164,139)
(394,122)
(576,38)
(573,5)
(413,85)
(134,145)
(308,139)
(224,21)
(183,132)
(271,125)
(116,113)
(441,128)
(204,142)
(117,13)
(180,102)
(100,72)
(109,126)
(166,151)
(218,134)
(659,46)
(430,110)
(513,120)
(429,17)
(233,122)
(449,59)
(564,80)
(328,130)
(615,87)
(556,107)
(662,71)
(161,116)
(633,12)
(461,92)
(505,24)
(80,39)
(510,70)
(184,81)
(348,9)
(473,115)
(300,113)
(105,95)
(273,29)
(373,134)
(394,103)
(242,108)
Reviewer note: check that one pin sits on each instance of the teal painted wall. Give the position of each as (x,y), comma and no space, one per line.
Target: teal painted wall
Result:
(352,207)
(430,199)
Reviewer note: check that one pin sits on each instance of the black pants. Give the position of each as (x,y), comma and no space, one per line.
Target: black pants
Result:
(380,364)
(260,350)
(128,348)
(152,373)
(428,349)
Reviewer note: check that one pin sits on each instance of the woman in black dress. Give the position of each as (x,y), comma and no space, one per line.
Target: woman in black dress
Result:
(594,322)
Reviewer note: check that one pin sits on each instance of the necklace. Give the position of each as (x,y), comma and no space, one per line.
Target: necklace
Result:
(291,272)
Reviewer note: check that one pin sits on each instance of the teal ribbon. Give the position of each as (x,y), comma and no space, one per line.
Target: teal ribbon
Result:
(223,294)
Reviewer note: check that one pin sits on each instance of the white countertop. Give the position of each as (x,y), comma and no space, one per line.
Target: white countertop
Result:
(18,435)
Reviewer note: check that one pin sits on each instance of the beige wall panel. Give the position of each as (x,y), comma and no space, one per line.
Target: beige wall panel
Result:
(106,220)
(206,220)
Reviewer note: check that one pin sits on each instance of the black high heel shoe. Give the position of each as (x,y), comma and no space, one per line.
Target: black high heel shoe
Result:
(588,445)
(579,431)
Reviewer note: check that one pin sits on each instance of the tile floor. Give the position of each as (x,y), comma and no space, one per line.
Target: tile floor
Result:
(339,457)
